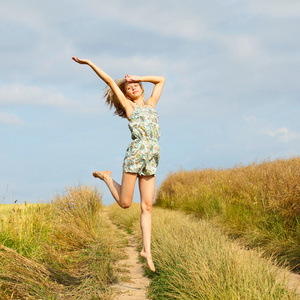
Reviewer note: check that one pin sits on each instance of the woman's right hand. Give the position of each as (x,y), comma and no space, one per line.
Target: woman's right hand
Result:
(81,61)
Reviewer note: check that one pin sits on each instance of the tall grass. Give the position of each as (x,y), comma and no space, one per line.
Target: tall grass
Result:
(61,250)
(25,227)
(259,203)
(194,260)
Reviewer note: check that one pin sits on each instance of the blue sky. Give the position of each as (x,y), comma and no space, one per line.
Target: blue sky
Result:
(231,94)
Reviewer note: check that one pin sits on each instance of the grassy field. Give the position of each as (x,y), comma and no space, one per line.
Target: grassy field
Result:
(60,250)
(195,260)
(258,203)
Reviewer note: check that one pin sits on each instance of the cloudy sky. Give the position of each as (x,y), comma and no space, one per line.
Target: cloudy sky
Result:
(231,96)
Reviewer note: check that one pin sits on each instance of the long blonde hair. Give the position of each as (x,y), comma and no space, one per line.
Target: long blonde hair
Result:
(111,99)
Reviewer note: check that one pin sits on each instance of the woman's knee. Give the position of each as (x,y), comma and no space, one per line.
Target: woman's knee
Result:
(125,204)
(147,207)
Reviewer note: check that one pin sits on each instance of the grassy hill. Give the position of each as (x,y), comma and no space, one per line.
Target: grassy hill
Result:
(60,250)
(258,203)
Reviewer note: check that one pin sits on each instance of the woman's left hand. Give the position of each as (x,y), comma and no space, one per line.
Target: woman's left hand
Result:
(132,78)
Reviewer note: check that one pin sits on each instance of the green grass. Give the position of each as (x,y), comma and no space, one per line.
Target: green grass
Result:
(195,260)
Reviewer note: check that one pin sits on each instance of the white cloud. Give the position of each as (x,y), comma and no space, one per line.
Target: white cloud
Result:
(282,130)
(186,20)
(284,134)
(19,95)
(170,18)
(10,119)
(32,95)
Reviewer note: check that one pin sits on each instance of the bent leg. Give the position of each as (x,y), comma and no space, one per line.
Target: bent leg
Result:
(147,189)
(123,193)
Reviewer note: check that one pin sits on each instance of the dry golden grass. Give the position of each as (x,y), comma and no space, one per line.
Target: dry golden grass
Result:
(260,203)
(62,250)
(268,185)
(194,260)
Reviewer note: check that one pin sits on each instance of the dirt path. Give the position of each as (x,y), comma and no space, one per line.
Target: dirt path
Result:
(292,281)
(133,284)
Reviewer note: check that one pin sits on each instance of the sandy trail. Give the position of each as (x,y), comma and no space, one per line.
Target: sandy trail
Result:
(292,281)
(133,284)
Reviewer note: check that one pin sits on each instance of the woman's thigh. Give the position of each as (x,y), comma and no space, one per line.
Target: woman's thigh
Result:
(127,188)
(147,189)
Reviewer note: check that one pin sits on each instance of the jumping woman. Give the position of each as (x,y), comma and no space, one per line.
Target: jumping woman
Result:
(126,96)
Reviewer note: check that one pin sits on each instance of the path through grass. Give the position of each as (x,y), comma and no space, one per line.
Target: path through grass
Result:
(194,260)
(132,282)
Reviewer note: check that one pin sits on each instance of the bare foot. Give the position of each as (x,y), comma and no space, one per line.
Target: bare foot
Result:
(148,257)
(103,175)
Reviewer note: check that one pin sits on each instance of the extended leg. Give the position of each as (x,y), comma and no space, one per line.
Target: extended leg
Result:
(123,193)
(147,188)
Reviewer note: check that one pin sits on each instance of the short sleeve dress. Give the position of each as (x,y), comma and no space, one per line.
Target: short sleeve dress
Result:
(142,155)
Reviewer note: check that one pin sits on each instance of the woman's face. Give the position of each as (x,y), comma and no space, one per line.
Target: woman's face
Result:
(133,90)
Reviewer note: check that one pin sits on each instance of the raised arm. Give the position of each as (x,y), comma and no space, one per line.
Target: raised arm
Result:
(107,79)
(158,82)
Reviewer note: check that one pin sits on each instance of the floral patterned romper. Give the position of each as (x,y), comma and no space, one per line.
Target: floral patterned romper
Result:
(142,155)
